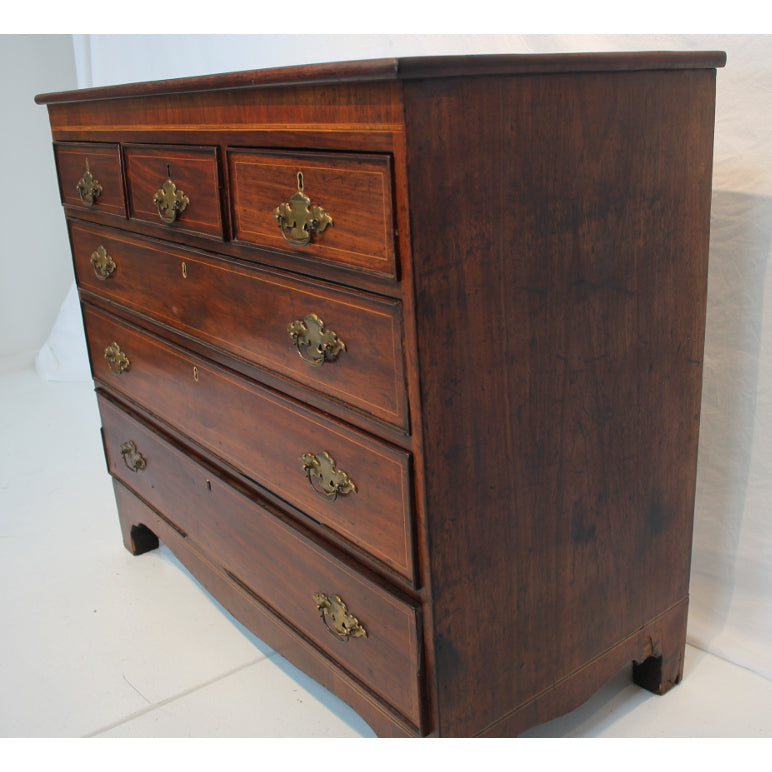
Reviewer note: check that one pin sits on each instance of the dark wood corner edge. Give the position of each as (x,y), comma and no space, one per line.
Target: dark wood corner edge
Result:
(528,64)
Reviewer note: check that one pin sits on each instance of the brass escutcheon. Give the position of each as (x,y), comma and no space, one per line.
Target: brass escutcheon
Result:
(102,263)
(301,220)
(117,360)
(337,619)
(133,459)
(170,202)
(315,344)
(88,187)
(332,482)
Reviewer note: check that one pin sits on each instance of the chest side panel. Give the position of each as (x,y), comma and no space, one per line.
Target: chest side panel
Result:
(560,234)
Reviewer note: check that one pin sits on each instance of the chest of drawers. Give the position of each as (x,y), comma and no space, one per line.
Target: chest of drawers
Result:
(402,358)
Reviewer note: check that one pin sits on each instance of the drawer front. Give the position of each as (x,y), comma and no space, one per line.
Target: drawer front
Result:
(349,348)
(276,563)
(90,176)
(353,191)
(344,479)
(177,187)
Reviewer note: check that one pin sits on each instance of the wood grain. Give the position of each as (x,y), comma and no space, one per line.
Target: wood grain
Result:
(246,606)
(575,275)
(298,108)
(104,162)
(245,312)
(355,191)
(264,436)
(195,172)
(273,561)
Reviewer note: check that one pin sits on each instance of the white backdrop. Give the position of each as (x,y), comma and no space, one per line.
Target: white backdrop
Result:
(731,589)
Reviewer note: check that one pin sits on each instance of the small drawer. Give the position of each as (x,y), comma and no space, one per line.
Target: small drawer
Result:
(177,187)
(90,176)
(341,344)
(325,207)
(357,486)
(375,637)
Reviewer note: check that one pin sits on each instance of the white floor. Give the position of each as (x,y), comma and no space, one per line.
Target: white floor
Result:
(97,643)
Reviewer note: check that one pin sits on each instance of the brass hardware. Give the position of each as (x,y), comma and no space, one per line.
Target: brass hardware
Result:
(184,270)
(314,343)
(195,373)
(336,617)
(299,219)
(133,459)
(102,263)
(88,187)
(332,482)
(117,360)
(169,201)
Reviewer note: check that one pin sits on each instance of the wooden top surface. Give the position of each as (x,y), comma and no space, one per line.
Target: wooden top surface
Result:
(410,68)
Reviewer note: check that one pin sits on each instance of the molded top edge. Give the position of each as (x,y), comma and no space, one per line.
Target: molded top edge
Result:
(409,68)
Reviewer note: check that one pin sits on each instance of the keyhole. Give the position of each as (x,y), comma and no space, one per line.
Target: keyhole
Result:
(184,270)
(168,171)
(195,373)
(300,181)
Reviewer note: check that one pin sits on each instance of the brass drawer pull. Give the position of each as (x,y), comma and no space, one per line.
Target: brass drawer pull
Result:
(301,220)
(117,360)
(102,263)
(315,344)
(332,482)
(169,201)
(337,619)
(133,459)
(88,187)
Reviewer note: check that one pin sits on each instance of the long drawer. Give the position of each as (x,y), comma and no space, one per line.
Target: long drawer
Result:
(342,344)
(342,478)
(365,628)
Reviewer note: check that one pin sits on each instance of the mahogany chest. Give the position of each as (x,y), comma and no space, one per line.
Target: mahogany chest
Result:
(403,359)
